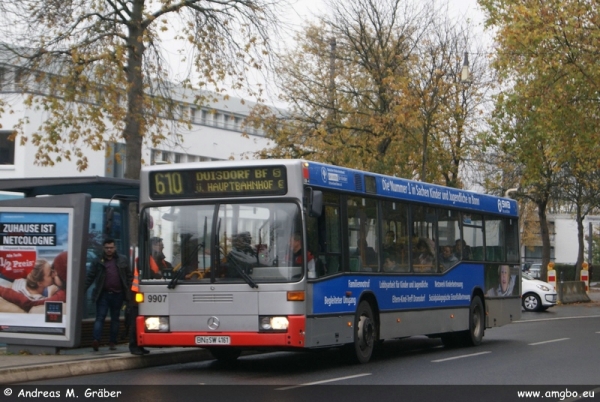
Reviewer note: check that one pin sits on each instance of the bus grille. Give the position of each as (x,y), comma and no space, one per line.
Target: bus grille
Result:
(213,298)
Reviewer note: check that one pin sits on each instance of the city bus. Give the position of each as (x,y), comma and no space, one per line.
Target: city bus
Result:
(299,255)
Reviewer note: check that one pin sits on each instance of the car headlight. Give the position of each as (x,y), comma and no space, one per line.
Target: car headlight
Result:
(270,323)
(544,288)
(156,324)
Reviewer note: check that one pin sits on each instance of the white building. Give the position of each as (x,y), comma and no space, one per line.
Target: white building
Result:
(216,134)
(563,240)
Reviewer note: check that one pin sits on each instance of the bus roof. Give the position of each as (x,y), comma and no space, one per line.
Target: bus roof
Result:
(355,181)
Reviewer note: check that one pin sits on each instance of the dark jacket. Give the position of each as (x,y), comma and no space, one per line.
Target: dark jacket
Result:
(97,276)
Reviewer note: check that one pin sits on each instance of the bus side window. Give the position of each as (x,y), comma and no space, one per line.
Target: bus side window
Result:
(324,236)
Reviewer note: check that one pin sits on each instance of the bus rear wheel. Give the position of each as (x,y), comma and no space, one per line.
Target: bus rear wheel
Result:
(365,333)
(474,335)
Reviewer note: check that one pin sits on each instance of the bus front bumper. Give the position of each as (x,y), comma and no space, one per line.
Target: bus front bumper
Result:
(294,337)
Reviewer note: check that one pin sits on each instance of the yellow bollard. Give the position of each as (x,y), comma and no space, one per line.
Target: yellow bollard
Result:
(585,276)
(552,277)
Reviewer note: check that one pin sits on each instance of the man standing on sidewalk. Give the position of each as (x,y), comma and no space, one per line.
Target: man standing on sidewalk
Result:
(112,277)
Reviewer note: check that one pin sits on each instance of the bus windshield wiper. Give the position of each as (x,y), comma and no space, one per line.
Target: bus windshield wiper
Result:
(238,269)
(184,267)
(242,273)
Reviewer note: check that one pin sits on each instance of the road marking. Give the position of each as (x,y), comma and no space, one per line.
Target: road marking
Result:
(323,381)
(460,357)
(551,341)
(555,319)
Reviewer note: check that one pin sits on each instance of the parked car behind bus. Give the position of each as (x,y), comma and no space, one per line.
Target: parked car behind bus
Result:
(536,295)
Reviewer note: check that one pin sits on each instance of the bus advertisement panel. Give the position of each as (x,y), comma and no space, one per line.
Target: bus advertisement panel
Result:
(33,271)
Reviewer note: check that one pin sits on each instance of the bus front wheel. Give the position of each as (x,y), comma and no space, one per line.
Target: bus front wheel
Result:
(365,333)
(225,354)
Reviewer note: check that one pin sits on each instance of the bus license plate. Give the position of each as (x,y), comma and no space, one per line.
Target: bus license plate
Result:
(213,340)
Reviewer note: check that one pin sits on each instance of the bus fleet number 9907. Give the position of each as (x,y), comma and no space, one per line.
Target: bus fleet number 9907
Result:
(157,298)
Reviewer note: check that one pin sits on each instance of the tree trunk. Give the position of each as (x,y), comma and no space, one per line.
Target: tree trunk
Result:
(580,235)
(135,104)
(545,233)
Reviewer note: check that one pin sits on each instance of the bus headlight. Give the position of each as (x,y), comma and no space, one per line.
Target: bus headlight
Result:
(157,324)
(269,323)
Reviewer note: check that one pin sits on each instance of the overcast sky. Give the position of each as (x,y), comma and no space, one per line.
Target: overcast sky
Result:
(301,10)
(305,9)
(469,8)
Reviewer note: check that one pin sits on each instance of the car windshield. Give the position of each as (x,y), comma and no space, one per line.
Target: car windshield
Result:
(525,275)
(221,243)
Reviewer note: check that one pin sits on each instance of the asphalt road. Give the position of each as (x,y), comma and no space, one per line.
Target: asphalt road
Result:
(559,346)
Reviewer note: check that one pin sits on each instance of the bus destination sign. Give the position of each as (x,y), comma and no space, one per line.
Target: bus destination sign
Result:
(228,182)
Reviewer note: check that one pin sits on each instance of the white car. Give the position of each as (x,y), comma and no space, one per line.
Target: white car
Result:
(536,295)
(535,270)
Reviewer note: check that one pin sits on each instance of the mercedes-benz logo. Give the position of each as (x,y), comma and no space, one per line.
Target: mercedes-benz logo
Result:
(213,323)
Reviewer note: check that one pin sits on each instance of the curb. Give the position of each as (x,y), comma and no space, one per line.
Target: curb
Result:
(100,365)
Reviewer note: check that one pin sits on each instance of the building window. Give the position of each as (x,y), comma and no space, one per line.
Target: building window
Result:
(7,148)
(217,119)
(20,79)
(2,78)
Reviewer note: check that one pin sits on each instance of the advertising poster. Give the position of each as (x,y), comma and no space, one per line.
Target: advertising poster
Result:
(34,271)
(502,280)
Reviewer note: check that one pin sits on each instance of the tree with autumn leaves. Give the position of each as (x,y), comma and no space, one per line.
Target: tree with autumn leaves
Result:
(546,119)
(376,86)
(95,65)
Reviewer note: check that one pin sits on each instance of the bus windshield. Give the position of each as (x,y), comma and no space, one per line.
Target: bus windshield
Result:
(222,243)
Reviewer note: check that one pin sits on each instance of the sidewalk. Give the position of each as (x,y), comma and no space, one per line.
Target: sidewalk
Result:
(15,368)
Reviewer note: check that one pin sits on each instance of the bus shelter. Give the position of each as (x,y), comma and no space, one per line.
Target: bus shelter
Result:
(103,205)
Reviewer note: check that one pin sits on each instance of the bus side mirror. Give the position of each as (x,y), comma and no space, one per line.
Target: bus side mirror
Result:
(315,202)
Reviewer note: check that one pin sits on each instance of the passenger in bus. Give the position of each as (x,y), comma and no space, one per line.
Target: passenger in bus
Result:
(389,263)
(461,250)
(389,245)
(425,256)
(448,259)
(242,255)
(506,283)
(370,255)
(298,255)
(159,266)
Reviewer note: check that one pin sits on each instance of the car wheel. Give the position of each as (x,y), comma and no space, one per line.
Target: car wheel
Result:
(531,302)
